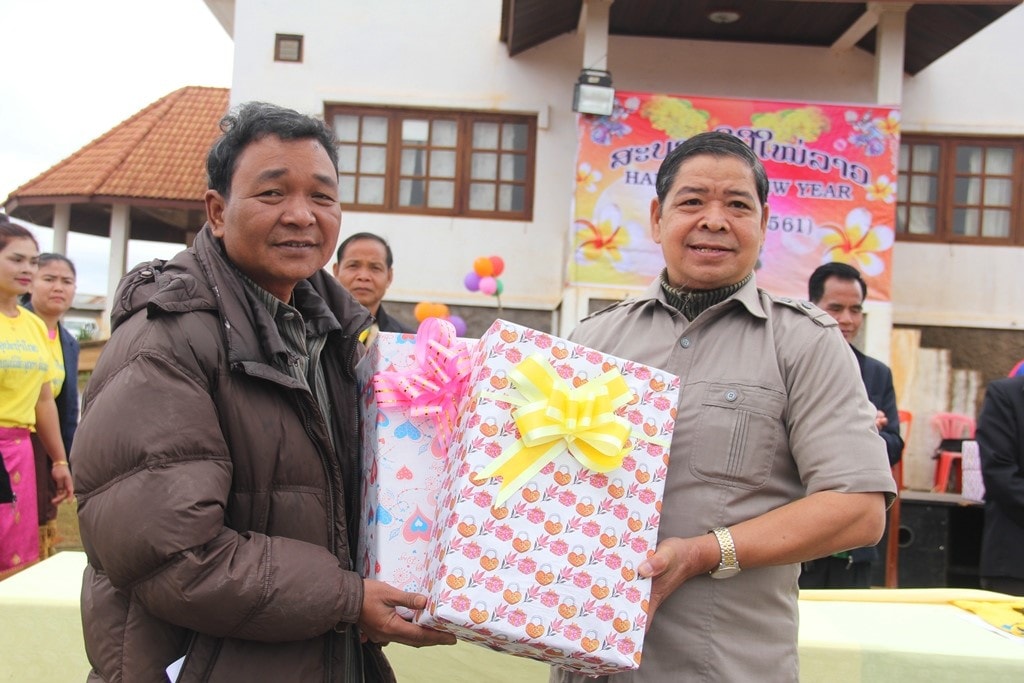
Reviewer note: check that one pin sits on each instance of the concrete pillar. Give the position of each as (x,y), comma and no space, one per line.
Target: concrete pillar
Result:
(61,226)
(595,34)
(890,43)
(120,229)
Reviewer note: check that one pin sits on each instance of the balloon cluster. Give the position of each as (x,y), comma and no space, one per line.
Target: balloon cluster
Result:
(484,276)
(426,309)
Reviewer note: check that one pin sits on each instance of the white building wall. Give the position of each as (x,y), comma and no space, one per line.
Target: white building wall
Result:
(448,54)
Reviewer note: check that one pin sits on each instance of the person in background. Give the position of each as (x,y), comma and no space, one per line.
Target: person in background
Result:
(53,292)
(364,268)
(774,457)
(26,402)
(1000,437)
(218,455)
(839,290)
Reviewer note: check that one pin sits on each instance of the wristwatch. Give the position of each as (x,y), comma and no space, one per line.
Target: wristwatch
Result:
(729,566)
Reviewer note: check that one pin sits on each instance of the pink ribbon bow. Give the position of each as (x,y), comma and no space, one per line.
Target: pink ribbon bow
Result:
(436,384)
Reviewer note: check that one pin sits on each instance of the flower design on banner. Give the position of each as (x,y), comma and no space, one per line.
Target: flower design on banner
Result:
(890,125)
(858,243)
(606,128)
(675,117)
(588,176)
(789,125)
(882,190)
(603,239)
(867,132)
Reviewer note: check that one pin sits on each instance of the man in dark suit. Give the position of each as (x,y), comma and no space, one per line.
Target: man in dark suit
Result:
(839,290)
(1000,436)
(365,269)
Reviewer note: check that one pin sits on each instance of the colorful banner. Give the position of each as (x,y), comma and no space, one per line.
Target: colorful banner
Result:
(832,192)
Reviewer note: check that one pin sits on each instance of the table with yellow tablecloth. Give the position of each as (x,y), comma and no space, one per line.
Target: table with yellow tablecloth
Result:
(846,636)
(849,636)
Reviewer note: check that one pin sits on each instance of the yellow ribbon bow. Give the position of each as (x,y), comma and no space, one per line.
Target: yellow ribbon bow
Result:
(556,417)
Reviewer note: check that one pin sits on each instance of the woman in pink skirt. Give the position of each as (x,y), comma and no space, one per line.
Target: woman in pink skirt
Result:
(26,401)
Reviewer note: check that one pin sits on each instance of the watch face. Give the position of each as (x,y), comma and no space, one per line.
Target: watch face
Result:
(725,572)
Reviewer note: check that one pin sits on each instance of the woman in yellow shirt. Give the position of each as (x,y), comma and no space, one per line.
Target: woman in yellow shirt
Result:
(26,400)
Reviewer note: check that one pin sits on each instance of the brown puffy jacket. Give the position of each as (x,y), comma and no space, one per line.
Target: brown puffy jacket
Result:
(212,504)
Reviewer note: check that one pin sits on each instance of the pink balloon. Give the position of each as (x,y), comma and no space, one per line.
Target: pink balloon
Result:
(488,285)
(472,281)
(459,324)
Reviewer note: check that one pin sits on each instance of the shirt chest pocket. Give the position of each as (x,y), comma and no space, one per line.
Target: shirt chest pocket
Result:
(738,434)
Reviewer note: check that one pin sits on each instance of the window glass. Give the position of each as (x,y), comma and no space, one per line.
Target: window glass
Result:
(926,159)
(996,223)
(999,161)
(347,155)
(485,136)
(481,197)
(444,133)
(922,220)
(375,129)
(346,128)
(923,189)
(485,166)
(998,192)
(442,164)
(373,160)
(968,159)
(371,190)
(442,194)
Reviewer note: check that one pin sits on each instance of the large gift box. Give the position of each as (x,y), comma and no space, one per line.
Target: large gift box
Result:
(410,408)
(551,500)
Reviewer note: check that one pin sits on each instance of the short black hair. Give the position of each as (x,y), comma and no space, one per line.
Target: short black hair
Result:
(253,121)
(714,143)
(842,271)
(388,257)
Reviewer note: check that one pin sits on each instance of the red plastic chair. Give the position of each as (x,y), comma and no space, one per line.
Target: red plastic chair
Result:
(955,427)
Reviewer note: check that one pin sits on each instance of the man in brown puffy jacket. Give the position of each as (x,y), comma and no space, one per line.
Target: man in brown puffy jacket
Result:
(217,458)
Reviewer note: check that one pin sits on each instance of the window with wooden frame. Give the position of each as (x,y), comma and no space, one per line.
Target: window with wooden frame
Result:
(287,48)
(961,189)
(436,162)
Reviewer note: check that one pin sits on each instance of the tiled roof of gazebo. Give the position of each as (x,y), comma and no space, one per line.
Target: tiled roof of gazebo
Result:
(159,153)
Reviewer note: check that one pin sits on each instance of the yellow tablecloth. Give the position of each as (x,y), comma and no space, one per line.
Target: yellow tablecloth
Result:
(903,635)
(871,636)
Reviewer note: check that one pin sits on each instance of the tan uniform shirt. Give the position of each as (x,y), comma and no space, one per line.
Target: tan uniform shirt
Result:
(772,408)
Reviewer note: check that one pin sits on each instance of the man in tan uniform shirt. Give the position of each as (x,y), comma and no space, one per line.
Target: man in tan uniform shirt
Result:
(775,443)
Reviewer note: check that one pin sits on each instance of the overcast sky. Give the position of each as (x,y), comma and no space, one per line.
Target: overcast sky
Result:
(72,70)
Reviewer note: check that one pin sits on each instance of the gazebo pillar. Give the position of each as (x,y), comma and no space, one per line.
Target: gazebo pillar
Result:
(61,227)
(120,229)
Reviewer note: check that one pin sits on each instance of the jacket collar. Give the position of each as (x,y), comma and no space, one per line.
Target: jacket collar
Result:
(202,278)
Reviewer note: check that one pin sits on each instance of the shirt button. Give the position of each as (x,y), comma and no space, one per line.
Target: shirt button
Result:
(731,396)
(287,315)
(785,300)
(685,342)
(806,304)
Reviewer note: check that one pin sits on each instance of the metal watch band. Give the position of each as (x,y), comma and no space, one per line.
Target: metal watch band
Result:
(728,565)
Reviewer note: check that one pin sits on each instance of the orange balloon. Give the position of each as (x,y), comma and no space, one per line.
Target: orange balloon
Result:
(483,267)
(422,311)
(439,311)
